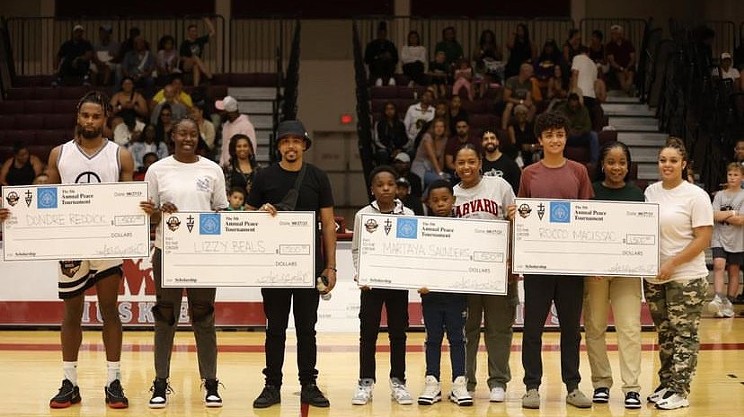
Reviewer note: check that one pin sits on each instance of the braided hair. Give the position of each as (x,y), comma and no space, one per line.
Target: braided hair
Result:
(96,97)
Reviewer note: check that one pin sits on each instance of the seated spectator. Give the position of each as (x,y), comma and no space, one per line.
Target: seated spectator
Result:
(139,65)
(455,113)
(178,109)
(456,142)
(402,165)
(413,59)
(403,193)
(523,147)
(128,131)
(389,135)
(558,86)
(429,161)
(191,51)
(441,109)
(74,58)
(206,127)
(21,168)
(167,61)
(236,198)
(497,164)
(548,59)
(234,123)
(147,160)
(164,125)
(622,59)
(439,74)
(128,102)
(572,45)
(739,152)
(418,114)
(518,90)
(179,96)
(241,167)
(726,71)
(105,50)
(579,126)
(489,64)
(451,47)
(521,50)
(148,143)
(463,78)
(41,179)
(381,57)
(126,47)
(597,52)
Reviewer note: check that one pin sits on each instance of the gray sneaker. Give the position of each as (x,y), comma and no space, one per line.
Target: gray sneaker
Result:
(531,399)
(577,399)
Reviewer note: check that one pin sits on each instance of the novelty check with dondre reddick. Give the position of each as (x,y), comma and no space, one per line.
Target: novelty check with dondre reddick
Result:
(586,237)
(441,254)
(76,221)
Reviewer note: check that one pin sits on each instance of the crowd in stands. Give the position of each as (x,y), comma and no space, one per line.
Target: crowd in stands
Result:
(516,84)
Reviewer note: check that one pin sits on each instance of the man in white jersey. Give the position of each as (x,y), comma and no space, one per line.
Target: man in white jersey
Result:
(90,158)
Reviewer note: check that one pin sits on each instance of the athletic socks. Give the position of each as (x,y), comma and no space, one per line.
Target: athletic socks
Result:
(114,372)
(70,371)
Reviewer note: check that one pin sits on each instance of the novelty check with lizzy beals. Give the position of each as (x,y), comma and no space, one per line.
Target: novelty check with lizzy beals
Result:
(586,237)
(76,221)
(239,249)
(441,254)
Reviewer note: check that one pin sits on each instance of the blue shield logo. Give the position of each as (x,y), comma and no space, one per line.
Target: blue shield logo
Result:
(407,228)
(209,224)
(560,212)
(46,198)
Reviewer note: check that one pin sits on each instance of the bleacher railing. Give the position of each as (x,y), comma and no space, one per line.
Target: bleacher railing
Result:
(468,30)
(6,62)
(364,113)
(288,98)
(240,45)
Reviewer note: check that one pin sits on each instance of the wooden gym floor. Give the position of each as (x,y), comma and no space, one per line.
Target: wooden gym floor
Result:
(31,372)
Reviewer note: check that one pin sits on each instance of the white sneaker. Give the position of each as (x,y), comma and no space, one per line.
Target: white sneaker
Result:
(657,395)
(459,394)
(378,82)
(364,392)
(399,392)
(391,81)
(728,308)
(715,306)
(672,401)
(432,391)
(498,395)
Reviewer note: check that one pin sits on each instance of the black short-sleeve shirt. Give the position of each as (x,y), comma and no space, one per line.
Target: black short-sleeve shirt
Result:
(191,48)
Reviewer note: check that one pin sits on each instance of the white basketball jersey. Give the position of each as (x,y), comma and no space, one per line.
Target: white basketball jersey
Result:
(75,167)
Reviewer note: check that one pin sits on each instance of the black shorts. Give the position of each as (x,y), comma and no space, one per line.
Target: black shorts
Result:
(732,258)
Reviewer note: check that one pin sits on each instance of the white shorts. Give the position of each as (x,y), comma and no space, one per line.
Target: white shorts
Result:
(77,276)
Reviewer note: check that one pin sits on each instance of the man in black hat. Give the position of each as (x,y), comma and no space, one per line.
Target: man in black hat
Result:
(381,56)
(269,191)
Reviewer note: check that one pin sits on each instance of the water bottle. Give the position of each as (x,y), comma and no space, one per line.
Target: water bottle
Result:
(322,286)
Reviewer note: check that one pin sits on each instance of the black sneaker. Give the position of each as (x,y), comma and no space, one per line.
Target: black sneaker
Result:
(632,400)
(268,397)
(160,390)
(115,395)
(311,394)
(212,398)
(68,395)
(601,395)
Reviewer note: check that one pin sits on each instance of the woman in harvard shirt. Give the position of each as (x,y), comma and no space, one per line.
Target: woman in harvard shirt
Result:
(479,197)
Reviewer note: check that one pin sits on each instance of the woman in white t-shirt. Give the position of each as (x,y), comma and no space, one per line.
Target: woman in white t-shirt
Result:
(479,197)
(413,59)
(183,181)
(676,296)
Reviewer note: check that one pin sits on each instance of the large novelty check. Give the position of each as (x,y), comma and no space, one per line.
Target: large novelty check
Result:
(76,221)
(608,238)
(239,249)
(441,254)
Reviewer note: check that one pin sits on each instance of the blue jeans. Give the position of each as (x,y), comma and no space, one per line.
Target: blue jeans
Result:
(444,312)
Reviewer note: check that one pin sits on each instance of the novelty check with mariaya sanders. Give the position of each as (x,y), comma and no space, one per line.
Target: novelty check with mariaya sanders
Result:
(76,221)
(239,249)
(586,237)
(441,254)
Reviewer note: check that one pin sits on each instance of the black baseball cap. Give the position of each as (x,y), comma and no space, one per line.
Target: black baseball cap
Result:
(293,128)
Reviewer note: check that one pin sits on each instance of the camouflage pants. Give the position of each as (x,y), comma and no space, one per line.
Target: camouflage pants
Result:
(675,308)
